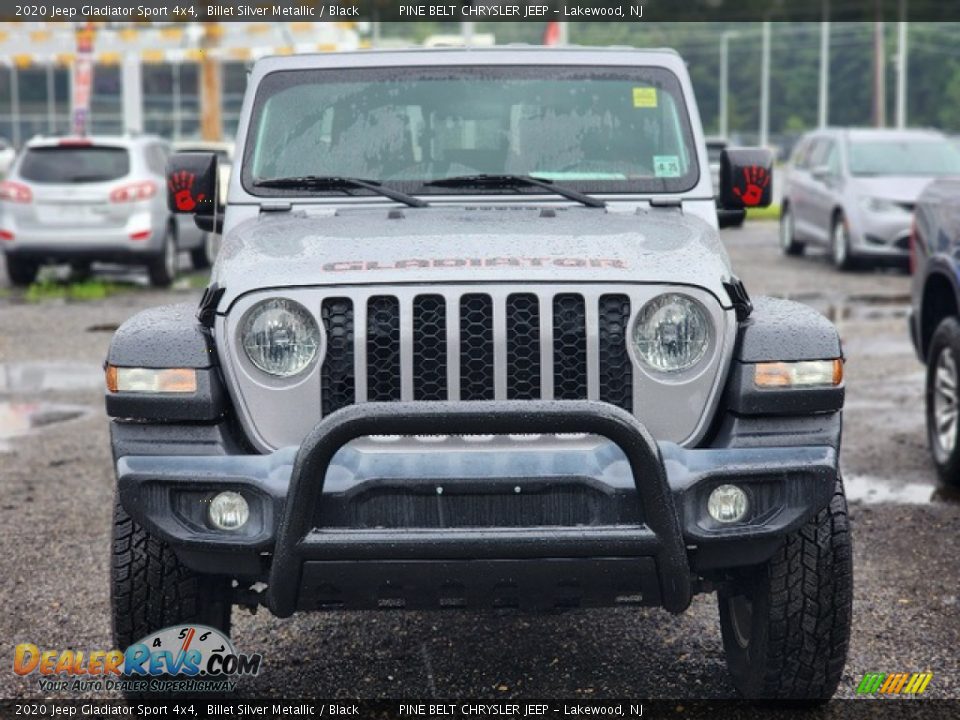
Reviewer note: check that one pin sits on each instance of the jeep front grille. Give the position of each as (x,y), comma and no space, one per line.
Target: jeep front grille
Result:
(471,346)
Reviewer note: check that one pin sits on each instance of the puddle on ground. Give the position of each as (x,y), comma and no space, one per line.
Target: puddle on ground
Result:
(872,490)
(45,376)
(18,419)
(856,307)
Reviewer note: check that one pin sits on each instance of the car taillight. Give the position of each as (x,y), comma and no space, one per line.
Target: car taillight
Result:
(15,192)
(6,235)
(134,192)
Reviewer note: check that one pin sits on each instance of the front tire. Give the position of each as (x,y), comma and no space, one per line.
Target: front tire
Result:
(942,411)
(151,589)
(840,244)
(163,266)
(786,623)
(788,233)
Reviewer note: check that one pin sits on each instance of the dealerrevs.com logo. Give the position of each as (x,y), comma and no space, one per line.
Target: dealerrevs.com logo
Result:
(181,658)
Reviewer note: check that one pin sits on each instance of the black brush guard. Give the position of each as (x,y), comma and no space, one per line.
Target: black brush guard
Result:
(299,544)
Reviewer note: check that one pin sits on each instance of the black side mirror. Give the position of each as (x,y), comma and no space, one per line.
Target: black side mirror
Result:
(746,176)
(192,188)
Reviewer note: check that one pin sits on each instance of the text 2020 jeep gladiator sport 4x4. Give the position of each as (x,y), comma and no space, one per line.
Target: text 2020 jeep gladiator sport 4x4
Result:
(472,340)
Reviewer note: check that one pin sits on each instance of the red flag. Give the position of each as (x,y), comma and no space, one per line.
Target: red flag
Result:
(551,36)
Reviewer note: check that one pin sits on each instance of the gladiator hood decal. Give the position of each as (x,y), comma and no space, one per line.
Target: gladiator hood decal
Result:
(482,245)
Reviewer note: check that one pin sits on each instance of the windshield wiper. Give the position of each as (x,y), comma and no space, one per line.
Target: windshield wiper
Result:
(513,181)
(321,182)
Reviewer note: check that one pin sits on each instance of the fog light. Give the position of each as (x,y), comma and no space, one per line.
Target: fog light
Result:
(229,511)
(727,504)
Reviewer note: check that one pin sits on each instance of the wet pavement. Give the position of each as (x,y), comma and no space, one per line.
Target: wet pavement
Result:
(55,503)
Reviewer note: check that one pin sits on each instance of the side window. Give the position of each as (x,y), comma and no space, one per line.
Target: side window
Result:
(801,154)
(156,157)
(819,153)
(833,159)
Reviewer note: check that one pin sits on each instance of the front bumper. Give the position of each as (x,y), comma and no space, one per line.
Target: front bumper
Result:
(881,235)
(314,540)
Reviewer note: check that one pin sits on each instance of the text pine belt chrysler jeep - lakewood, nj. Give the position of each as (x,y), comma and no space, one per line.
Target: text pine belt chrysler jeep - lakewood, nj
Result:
(472,340)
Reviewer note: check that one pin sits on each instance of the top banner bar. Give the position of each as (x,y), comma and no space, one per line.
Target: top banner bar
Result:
(481,10)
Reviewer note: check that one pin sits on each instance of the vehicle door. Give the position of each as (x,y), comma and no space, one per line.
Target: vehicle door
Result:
(798,186)
(824,190)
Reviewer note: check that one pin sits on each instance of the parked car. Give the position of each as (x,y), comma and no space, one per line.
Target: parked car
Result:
(853,191)
(715,148)
(438,265)
(935,317)
(89,199)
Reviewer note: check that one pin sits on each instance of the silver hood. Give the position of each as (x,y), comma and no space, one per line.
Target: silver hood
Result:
(483,244)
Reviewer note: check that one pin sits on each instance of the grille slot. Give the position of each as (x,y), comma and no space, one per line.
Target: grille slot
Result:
(336,374)
(429,348)
(476,347)
(523,347)
(569,348)
(616,370)
(383,348)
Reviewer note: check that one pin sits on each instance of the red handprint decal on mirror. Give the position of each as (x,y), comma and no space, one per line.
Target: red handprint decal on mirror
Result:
(755,179)
(181,185)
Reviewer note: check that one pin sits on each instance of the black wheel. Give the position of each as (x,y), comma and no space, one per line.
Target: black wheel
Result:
(21,272)
(151,589)
(202,257)
(943,361)
(840,244)
(788,242)
(163,266)
(786,623)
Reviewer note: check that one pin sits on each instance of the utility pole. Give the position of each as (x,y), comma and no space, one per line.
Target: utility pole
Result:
(879,73)
(823,100)
(211,124)
(765,87)
(723,109)
(902,67)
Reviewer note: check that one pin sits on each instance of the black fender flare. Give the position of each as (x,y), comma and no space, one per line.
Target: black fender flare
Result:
(169,336)
(782,331)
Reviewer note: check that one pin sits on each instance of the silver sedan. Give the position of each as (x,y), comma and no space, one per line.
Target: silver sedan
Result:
(853,191)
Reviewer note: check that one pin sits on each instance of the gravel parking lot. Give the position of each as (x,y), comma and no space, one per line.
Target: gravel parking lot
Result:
(56,495)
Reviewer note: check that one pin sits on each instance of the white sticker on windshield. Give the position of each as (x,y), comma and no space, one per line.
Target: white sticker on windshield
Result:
(666,166)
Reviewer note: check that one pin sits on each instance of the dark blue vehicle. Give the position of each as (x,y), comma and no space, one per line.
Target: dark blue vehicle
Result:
(935,318)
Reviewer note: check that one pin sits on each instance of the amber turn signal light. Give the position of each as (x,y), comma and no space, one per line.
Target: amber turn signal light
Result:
(807,373)
(151,380)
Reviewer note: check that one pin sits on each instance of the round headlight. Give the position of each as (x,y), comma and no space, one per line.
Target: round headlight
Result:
(280,337)
(672,333)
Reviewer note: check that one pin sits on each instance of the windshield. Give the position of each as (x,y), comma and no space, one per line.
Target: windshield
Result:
(62,164)
(904,157)
(593,129)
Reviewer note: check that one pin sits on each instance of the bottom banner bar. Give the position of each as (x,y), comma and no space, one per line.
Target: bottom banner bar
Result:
(456,709)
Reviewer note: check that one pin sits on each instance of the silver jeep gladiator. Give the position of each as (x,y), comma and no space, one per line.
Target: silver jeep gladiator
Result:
(472,340)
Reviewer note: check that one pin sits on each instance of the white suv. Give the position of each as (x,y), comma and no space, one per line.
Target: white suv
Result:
(86,199)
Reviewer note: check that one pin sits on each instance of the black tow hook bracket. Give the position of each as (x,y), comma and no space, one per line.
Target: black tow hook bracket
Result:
(207,311)
(739,297)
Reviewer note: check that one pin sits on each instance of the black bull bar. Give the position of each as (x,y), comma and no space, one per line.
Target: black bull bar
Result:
(297,541)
